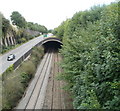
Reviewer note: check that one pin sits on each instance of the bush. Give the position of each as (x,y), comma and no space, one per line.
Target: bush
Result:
(12,90)
(23,40)
(36,56)
(6,48)
(27,72)
(15,82)
(91,58)
(28,67)
(25,78)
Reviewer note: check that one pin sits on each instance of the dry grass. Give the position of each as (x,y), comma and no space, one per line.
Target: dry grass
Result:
(15,82)
(12,90)
(28,67)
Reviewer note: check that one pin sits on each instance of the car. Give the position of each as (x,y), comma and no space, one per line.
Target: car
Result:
(11,57)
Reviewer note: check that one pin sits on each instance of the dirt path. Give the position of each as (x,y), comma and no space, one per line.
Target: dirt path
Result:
(45,91)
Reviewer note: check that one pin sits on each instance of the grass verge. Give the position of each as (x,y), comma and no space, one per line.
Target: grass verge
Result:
(14,82)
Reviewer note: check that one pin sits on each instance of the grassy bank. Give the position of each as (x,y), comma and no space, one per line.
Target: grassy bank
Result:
(15,82)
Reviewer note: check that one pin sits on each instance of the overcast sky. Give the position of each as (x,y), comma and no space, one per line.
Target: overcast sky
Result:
(49,13)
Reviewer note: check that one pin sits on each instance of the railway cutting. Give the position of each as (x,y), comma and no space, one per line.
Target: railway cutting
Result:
(45,91)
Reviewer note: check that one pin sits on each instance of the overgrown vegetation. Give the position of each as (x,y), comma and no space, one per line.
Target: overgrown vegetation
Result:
(18,20)
(21,33)
(15,81)
(91,58)
(5,49)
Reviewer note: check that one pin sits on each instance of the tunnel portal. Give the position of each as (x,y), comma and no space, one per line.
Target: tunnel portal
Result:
(52,45)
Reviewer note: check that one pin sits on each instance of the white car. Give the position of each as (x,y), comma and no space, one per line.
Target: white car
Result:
(11,57)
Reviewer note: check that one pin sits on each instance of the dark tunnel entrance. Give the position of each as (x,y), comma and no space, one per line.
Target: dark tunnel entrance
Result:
(52,45)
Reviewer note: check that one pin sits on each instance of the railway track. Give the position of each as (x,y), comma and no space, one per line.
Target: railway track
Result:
(37,87)
(56,97)
(45,92)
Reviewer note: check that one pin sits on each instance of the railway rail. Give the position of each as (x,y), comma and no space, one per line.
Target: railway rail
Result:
(45,91)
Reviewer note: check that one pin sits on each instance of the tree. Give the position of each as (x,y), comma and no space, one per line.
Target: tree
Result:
(5,26)
(18,20)
(59,31)
(50,31)
(36,27)
(91,57)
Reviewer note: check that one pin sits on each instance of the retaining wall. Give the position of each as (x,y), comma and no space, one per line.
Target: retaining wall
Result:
(27,53)
(22,58)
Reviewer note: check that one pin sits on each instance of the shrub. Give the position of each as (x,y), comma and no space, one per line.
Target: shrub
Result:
(28,67)
(91,58)
(25,78)
(37,55)
(15,82)
(12,90)
(23,40)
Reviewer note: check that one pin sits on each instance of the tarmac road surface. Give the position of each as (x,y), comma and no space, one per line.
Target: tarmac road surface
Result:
(18,52)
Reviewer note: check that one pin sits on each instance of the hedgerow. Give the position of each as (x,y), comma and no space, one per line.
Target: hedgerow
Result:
(91,57)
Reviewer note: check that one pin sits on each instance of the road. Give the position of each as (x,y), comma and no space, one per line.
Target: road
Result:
(19,51)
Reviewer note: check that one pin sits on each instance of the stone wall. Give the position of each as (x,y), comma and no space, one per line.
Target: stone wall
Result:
(8,40)
(10,37)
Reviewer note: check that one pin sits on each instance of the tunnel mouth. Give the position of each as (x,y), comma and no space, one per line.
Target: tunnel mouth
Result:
(52,46)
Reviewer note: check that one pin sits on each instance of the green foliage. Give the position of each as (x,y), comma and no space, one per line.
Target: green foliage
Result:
(22,33)
(22,36)
(28,67)
(15,82)
(18,20)
(5,48)
(22,40)
(5,26)
(37,55)
(60,30)
(25,78)
(50,31)
(91,58)
(37,27)
(10,68)
(12,91)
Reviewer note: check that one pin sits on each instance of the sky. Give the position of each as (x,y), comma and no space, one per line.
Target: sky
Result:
(50,13)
